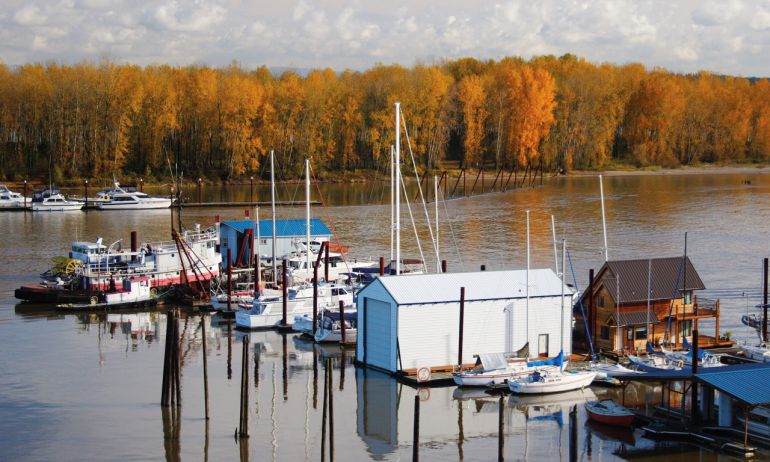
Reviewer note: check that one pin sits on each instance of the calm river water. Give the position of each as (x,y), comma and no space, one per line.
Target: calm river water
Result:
(87,387)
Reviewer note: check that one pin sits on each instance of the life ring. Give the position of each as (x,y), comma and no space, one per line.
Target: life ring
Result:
(94,300)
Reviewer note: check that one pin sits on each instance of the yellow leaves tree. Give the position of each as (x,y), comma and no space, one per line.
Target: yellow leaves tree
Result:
(472,97)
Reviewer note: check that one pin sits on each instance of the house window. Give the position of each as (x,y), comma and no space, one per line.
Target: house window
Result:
(641,333)
(605,333)
(630,334)
(686,328)
(687,297)
(601,301)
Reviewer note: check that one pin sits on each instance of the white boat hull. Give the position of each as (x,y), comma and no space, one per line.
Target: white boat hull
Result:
(757,353)
(488,378)
(273,315)
(552,383)
(155,204)
(335,336)
(57,208)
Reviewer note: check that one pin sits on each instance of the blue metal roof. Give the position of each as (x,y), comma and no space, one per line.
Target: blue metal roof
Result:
(291,227)
(745,382)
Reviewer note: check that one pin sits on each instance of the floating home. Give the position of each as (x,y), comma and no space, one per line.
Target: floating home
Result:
(410,322)
(237,235)
(616,305)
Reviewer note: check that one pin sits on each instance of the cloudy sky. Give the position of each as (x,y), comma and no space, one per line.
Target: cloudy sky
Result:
(723,36)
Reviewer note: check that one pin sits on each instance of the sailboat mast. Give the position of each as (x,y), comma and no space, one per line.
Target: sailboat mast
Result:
(307,214)
(604,219)
(272,205)
(553,238)
(563,252)
(397,179)
(392,197)
(435,200)
(527,281)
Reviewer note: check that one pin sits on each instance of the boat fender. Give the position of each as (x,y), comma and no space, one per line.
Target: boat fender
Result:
(94,300)
(680,364)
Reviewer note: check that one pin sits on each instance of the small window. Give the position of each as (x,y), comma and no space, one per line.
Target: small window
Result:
(687,297)
(601,301)
(641,333)
(630,334)
(605,333)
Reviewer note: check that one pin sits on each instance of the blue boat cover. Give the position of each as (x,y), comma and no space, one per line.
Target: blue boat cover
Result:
(555,361)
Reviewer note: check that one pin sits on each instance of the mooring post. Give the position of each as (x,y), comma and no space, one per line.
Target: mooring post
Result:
(85,196)
(483,267)
(141,185)
(285,368)
(134,245)
(25,194)
(573,434)
(200,197)
(324,410)
(443,266)
(342,323)
(331,410)
(382,266)
(205,368)
(164,395)
(244,430)
(229,279)
(764,302)
(177,372)
(500,430)
(591,315)
(462,325)
(694,385)
(416,443)
(251,189)
(285,291)
(326,262)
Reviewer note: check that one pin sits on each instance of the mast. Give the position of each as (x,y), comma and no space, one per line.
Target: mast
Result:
(649,293)
(307,213)
(259,248)
(397,179)
(527,281)
(272,205)
(392,202)
(563,251)
(619,341)
(553,238)
(435,200)
(604,219)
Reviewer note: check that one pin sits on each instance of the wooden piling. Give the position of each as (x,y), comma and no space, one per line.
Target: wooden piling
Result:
(315,298)
(416,437)
(205,368)
(244,424)
(285,290)
(764,301)
(500,430)
(229,279)
(573,434)
(315,378)
(324,410)
(134,245)
(177,374)
(164,394)
(343,329)
(462,326)
(326,262)
(331,410)
(443,266)
(694,386)
(229,350)
(483,267)
(200,197)
(382,266)
(85,196)
(285,369)
(256,268)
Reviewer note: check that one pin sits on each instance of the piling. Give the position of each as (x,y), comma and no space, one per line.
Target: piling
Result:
(342,323)
(285,290)
(694,385)
(326,262)
(25,194)
(324,411)
(285,371)
(229,350)
(591,315)
(764,302)
(244,423)
(315,378)
(443,266)
(382,266)
(164,394)
(256,268)
(315,298)
(257,360)
(573,434)
(205,368)
(229,279)
(500,430)
(85,196)
(134,245)
(141,185)
(483,267)
(251,189)
(462,325)
(200,197)
(416,443)
(177,398)
(331,409)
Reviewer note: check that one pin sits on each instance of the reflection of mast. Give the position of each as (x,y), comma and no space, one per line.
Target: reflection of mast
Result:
(273,431)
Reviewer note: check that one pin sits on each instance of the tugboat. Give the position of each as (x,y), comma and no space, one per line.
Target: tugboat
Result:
(134,292)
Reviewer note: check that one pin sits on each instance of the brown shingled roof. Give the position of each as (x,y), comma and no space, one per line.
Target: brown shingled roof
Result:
(664,275)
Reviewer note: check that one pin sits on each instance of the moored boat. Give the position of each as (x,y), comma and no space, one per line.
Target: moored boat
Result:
(124,200)
(133,292)
(759,352)
(330,327)
(540,382)
(610,413)
(52,200)
(496,368)
(11,200)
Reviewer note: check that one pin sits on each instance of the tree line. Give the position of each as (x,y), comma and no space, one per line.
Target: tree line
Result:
(95,120)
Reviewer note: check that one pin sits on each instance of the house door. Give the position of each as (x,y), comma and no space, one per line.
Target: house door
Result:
(542,345)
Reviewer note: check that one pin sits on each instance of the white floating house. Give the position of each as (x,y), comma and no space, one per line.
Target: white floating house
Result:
(290,234)
(412,321)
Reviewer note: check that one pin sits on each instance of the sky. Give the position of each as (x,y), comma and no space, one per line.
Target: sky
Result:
(721,36)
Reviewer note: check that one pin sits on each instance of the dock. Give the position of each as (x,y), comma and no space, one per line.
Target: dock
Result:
(242,204)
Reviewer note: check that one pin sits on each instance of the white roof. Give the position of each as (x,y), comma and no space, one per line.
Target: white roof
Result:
(482,285)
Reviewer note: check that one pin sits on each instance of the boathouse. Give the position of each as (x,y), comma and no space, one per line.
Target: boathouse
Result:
(290,234)
(616,302)
(410,322)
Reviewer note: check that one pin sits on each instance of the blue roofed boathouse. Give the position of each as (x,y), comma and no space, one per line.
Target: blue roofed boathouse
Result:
(236,236)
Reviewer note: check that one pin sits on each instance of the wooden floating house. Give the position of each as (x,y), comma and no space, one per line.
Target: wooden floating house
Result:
(410,322)
(616,303)
(237,236)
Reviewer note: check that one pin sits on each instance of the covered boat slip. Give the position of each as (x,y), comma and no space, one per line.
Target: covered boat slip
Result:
(412,322)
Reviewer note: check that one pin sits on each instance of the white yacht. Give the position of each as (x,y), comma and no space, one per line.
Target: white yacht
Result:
(10,199)
(124,200)
(267,311)
(51,200)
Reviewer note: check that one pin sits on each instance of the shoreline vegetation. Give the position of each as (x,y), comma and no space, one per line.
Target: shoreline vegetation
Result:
(364,176)
(543,116)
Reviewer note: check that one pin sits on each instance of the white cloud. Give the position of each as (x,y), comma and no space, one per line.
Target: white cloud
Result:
(30,15)
(716,12)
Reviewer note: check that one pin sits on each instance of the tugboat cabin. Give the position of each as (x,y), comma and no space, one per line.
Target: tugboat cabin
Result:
(616,305)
